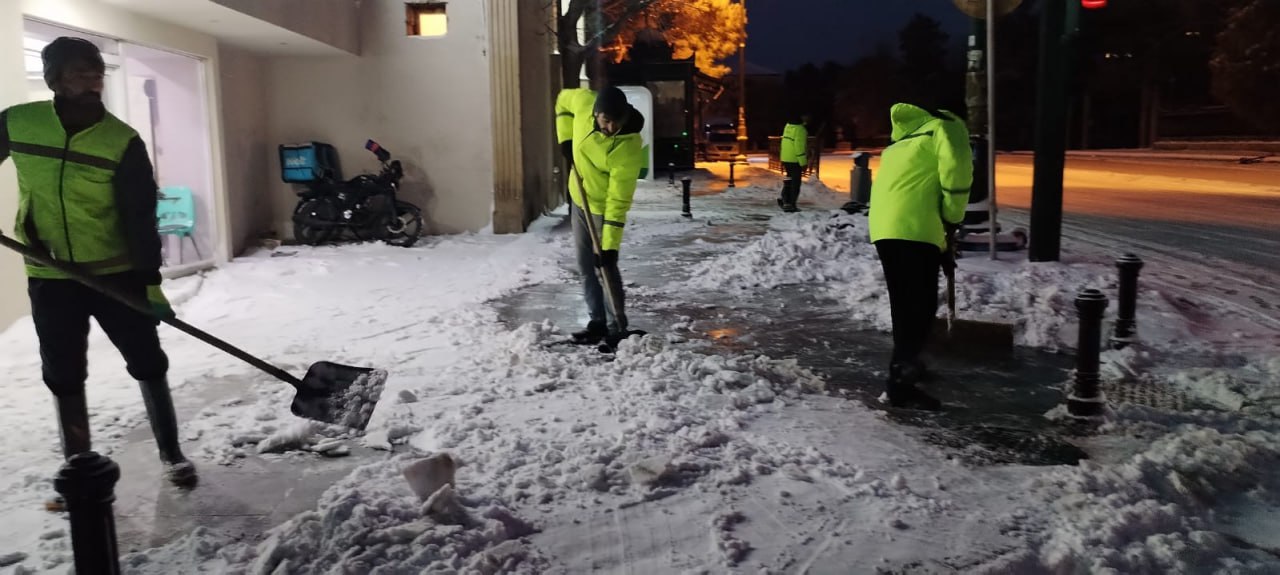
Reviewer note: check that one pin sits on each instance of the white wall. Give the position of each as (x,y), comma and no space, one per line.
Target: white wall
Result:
(334,22)
(93,16)
(424,99)
(13,90)
(247,146)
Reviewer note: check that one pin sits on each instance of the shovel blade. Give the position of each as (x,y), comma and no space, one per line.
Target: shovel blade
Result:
(339,394)
(968,337)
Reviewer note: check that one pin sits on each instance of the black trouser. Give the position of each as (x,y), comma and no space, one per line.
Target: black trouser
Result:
(601,313)
(791,185)
(61,309)
(911,272)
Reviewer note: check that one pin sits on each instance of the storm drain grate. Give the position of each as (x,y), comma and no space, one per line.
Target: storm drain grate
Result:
(1148,393)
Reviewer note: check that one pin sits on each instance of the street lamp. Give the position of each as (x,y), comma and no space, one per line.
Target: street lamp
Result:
(741,158)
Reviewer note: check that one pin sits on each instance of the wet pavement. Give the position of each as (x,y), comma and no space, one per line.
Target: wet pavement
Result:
(239,502)
(994,406)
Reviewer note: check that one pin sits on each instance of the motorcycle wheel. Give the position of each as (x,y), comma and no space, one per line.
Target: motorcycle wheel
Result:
(305,231)
(406,228)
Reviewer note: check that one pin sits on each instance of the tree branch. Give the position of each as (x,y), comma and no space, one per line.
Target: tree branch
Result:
(607,34)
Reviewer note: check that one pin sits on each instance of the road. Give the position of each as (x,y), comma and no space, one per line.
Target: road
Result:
(1219,210)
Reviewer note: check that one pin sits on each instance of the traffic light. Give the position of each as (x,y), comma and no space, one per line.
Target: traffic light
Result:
(1093,4)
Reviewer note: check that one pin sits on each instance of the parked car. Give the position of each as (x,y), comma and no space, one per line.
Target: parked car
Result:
(721,141)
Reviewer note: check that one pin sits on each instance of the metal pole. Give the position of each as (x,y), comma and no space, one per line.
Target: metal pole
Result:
(671,173)
(686,211)
(1050,138)
(1126,322)
(731,183)
(1087,400)
(87,482)
(991,125)
(742,95)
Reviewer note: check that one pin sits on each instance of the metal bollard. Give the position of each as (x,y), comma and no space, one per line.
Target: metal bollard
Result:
(1086,400)
(731,183)
(87,482)
(688,183)
(860,179)
(671,173)
(1126,320)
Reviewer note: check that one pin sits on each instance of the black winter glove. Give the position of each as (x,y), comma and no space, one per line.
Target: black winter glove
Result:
(607,259)
(949,263)
(949,255)
(566,150)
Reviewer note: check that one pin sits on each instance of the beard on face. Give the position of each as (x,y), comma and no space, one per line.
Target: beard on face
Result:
(88,97)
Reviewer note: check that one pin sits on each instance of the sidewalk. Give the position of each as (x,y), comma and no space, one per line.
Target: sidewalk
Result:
(809,324)
(743,435)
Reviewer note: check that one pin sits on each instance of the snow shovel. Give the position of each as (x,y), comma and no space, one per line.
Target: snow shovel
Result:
(966,336)
(329,393)
(604,277)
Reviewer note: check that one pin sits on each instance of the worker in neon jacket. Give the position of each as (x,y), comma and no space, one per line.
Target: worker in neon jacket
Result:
(917,200)
(600,134)
(87,196)
(794,154)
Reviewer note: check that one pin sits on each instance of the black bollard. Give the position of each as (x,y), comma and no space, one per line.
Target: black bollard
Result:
(1086,400)
(731,183)
(688,183)
(87,482)
(671,173)
(1126,319)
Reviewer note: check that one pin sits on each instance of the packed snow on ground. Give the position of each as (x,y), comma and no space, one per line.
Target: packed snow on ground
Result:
(670,458)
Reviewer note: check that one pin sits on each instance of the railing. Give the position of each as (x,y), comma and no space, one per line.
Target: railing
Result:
(814,153)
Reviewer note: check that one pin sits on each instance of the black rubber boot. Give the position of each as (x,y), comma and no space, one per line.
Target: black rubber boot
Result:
(594,333)
(914,372)
(164,425)
(73,424)
(903,392)
(73,427)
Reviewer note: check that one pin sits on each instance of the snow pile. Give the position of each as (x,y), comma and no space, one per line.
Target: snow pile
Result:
(1151,513)
(803,248)
(657,419)
(1253,388)
(834,249)
(656,416)
(368,522)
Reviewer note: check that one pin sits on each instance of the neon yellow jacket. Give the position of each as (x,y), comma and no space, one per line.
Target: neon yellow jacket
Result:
(88,198)
(924,178)
(609,165)
(795,144)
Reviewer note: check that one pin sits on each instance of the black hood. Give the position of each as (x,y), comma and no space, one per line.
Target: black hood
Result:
(613,102)
(634,123)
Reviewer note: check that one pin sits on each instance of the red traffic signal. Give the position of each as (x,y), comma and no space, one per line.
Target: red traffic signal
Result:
(1093,4)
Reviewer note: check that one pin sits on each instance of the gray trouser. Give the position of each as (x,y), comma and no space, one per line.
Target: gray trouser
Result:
(592,292)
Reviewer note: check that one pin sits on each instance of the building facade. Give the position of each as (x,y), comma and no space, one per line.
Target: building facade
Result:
(460,91)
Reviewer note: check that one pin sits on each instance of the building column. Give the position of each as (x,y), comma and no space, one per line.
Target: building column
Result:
(504,100)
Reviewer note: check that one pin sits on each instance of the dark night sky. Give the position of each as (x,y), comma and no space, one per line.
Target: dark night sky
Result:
(784,34)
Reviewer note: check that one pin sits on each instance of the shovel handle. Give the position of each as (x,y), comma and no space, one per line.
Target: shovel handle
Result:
(78,274)
(589,219)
